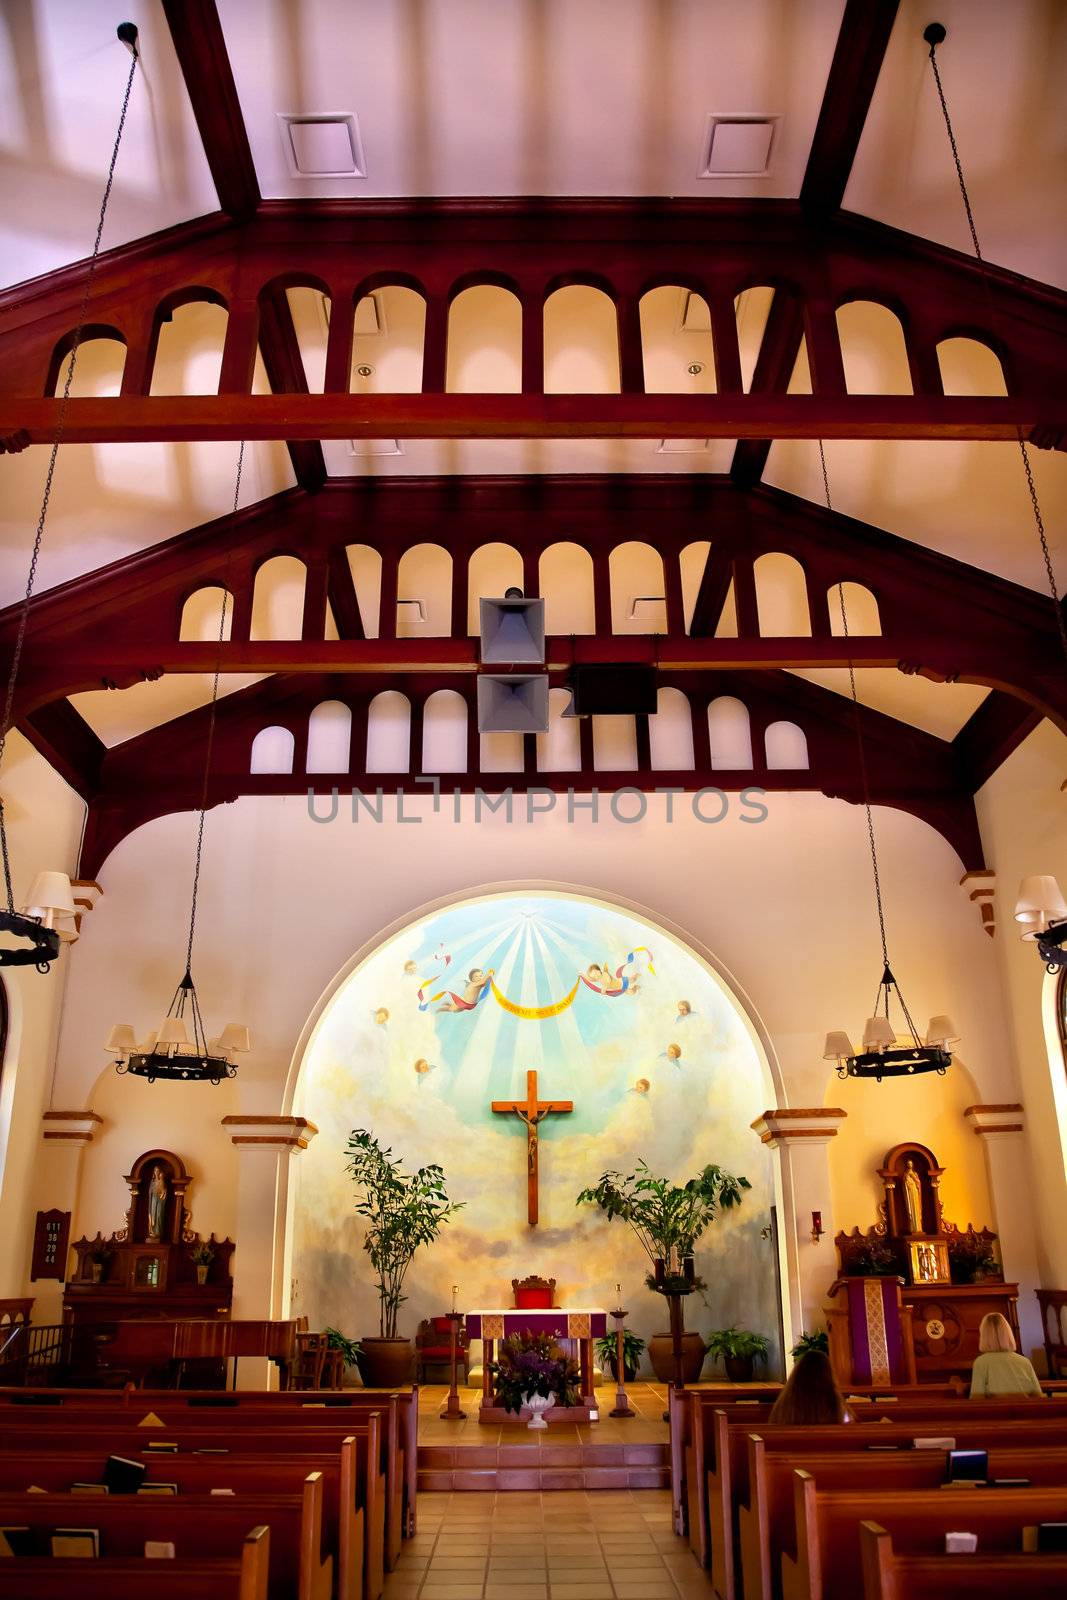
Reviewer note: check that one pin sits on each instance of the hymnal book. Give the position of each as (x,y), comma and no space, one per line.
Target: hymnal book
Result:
(83,1542)
(89,1488)
(124,1476)
(1045,1537)
(17,1542)
(967,1466)
(222,1491)
(212,1450)
(158,1488)
(884,1447)
(159,1550)
(935,1441)
(961,1544)
(1010,1483)
(166,1446)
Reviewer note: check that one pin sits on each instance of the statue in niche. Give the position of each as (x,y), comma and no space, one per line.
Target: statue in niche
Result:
(913,1199)
(157,1201)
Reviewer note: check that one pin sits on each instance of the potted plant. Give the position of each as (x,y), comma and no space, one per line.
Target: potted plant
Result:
(739,1349)
(668,1219)
(970,1258)
(98,1260)
(607,1354)
(531,1372)
(349,1348)
(403,1211)
(819,1340)
(872,1259)
(202,1256)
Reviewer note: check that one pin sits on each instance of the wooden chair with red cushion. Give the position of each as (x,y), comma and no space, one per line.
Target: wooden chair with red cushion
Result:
(433,1348)
(534,1293)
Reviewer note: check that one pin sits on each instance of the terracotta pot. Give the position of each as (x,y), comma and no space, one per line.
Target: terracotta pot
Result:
(661,1356)
(385,1363)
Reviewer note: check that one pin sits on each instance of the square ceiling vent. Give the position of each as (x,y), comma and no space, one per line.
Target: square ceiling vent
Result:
(326,146)
(738,146)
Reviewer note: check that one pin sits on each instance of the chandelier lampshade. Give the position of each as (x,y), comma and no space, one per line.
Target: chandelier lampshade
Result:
(838,1047)
(941,1031)
(879,1034)
(1041,911)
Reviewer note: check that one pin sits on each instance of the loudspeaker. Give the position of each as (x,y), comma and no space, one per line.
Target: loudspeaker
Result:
(616,691)
(513,630)
(513,702)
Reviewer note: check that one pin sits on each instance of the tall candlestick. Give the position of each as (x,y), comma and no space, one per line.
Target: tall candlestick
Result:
(455,1291)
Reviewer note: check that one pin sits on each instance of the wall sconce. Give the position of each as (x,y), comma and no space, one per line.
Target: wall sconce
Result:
(816,1226)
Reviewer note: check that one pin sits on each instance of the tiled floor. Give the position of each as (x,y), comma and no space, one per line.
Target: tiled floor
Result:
(565,1546)
(646,1399)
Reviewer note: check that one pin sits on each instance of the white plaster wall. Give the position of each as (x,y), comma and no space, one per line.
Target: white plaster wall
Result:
(45,819)
(1022,812)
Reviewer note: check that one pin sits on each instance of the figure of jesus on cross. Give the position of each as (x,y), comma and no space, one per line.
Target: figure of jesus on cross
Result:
(532,1112)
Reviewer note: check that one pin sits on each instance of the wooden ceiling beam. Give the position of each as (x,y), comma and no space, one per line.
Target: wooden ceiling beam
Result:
(284,366)
(201,49)
(136,419)
(62,736)
(858,55)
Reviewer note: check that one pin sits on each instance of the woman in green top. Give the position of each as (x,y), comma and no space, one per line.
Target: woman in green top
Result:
(999,1369)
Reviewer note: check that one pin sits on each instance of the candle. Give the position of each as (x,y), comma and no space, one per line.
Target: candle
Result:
(455,1291)
(618,1294)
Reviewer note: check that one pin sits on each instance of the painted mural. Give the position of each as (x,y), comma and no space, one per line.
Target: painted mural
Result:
(615,1016)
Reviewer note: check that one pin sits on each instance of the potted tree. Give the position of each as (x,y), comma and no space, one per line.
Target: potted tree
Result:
(739,1349)
(668,1219)
(403,1211)
(632,1346)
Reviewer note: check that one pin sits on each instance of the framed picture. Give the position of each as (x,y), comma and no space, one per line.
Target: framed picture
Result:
(928,1261)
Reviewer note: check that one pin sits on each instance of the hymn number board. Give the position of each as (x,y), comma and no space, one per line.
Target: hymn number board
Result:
(50,1235)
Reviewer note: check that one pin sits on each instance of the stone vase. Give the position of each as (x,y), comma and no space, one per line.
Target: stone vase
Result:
(537,1404)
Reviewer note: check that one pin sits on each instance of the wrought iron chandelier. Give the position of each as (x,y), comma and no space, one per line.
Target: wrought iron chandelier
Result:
(1040,906)
(37,930)
(170,1052)
(882,1055)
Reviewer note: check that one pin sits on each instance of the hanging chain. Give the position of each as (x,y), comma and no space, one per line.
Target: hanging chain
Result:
(1061,624)
(211,728)
(857,717)
(61,422)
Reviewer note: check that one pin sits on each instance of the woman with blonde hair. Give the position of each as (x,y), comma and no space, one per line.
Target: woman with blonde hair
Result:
(999,1369)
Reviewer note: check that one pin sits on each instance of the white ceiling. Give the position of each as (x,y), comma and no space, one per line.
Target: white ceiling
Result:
(545,97)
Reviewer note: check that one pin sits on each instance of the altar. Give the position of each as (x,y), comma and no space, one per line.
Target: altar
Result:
(580,1324)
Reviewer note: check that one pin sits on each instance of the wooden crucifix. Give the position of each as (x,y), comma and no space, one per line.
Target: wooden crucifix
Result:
(532,1112)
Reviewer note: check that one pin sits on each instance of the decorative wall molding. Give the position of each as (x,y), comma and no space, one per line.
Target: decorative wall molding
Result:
(74,1127)
(987,1120)
(278,1133)
(782,1125)
(980,887)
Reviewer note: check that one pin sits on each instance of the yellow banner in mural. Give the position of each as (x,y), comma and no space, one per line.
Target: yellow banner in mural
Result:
(534,1013)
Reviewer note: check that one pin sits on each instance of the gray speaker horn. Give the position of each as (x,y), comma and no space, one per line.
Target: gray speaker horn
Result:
(513,702)
(513,631)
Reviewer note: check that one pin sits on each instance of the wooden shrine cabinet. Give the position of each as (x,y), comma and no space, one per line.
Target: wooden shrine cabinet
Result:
(952,1276)
(148,1268)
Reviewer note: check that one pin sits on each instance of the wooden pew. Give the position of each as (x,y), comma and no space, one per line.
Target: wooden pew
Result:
(729,1497)
(200,1526)
(245,1577)
(343,1525)
(827,1563)
(766,1527)
(297,1450)
(888,1575)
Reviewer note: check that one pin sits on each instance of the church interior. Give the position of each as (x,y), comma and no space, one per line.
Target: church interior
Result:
(533,956)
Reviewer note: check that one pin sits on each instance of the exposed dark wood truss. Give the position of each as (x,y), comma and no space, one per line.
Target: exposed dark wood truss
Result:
(201,49)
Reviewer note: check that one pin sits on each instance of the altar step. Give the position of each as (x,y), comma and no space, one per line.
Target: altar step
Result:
(542,1464)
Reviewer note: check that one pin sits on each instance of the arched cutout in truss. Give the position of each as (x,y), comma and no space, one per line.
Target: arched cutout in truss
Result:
(272,752)
(781,596)
(873,351)
(581,342)
(692,563)
(786,747)
(615,744)
(491,571)
(559,750)
(424,592)
(676,336)
(861,610)
(638,605)
(730,733)
(670,732)
(189,343)
(444,732)
(389,732)
(365,566)
(99,366)
(501,752)
(970,367)
(329,737)
(390,329)
(202,614)
(309,307)
(278,599)
(484,342)
(751,310)
(565,577)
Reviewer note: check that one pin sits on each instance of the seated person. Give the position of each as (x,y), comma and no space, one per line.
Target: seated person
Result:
(810,1397)
(999,1369)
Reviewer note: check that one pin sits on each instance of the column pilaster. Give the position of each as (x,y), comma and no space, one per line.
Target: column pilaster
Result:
(801,1137)
(64,1137)
(1002,1130)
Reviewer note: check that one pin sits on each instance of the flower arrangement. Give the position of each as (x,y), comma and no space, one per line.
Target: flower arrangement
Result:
(533,1364)
(202,1255)
(970,1257)
(873,1259)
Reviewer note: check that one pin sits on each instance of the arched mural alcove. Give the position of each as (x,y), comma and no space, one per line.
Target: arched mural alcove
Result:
(658,1051)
